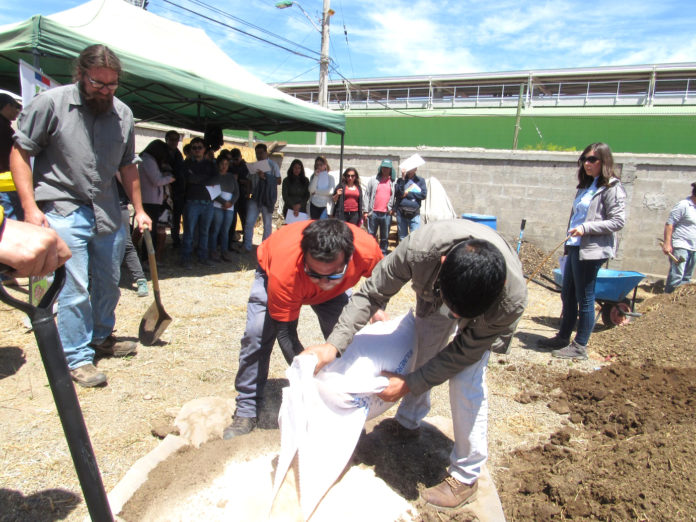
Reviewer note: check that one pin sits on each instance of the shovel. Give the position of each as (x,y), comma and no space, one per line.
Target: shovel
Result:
(155,320)
(672,256)
(64,395)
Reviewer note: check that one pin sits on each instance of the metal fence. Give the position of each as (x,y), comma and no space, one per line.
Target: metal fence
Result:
(640,92)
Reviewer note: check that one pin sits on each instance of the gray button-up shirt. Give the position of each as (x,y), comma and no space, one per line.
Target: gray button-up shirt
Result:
(77,153)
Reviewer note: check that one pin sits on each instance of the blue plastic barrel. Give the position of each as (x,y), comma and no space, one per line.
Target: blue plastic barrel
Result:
(489,221)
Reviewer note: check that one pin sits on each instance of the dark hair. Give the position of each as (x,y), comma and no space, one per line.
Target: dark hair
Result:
(96,55)
(187,149)
(603,152)
(158,150)
(6,99)
(197,139)
(357,176)
(261,146)
(222,157)
(302,175)
(323,159)
(326,238)
(693,189)
(472,277)
(172,133)
(235,153)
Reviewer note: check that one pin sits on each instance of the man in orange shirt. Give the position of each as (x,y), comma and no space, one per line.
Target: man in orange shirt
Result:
(312,263)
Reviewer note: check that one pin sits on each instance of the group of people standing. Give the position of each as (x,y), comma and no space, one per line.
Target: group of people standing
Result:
(320,196)
(210,194)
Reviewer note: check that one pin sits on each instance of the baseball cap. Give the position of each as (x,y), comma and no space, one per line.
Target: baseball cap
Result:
(6,98)
(386,163)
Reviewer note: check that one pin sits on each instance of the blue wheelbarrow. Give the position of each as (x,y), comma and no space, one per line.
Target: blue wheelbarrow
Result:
(610,292)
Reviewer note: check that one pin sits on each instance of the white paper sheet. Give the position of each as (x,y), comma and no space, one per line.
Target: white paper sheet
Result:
(214,191)
(411,163)
(290,217)
(262,165)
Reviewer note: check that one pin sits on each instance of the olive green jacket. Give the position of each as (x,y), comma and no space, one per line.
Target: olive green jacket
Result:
(418,259)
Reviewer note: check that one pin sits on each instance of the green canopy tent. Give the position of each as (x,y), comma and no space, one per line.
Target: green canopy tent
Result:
(172,73)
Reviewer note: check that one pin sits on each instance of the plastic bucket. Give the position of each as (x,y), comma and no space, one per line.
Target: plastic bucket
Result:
(489,221)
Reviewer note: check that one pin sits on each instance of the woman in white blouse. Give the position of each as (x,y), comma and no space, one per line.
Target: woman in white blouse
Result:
(321,189)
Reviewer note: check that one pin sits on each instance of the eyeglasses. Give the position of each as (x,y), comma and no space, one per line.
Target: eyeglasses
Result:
(589,159)
(100,85)
(329,277)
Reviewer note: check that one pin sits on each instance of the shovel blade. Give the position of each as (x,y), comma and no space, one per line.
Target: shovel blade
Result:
(153,324)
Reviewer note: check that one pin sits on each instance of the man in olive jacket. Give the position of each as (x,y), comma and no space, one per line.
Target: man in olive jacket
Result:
(466,278)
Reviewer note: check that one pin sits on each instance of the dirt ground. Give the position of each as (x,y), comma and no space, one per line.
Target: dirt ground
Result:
(610,438)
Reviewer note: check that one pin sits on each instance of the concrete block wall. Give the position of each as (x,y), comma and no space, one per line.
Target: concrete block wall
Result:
(539,187)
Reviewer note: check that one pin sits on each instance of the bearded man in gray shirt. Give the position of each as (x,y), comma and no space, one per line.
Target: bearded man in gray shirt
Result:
(80,136)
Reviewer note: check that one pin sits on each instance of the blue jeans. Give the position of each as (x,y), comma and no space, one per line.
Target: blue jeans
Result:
(253,209)
(197,213)
(380,222)
(259,337)
(406,225)
(87,303)
(12,206)
(222,221)
(680,273)
(578,296)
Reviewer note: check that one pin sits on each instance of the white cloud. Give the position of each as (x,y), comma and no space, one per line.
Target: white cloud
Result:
(414,40)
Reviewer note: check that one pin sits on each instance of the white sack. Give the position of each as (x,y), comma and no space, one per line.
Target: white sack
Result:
(437,205)
(321,417)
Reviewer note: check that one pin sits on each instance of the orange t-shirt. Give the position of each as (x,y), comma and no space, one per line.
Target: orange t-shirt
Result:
(281,257)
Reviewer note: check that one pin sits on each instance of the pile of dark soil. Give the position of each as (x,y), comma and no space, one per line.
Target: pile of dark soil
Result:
(628,449)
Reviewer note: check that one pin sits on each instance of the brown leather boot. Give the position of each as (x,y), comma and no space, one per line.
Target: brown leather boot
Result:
(114,347)
(450,494)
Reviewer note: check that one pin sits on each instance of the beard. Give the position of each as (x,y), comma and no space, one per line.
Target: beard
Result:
(96,102)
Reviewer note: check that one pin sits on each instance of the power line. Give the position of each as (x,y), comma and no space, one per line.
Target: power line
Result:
(262,30)
(360,90)
(242,31)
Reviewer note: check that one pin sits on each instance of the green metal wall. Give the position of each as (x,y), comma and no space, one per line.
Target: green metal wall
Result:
(666,134)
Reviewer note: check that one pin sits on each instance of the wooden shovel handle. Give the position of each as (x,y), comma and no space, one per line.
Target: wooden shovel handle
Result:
(541,265)
(671,255)
(151,259)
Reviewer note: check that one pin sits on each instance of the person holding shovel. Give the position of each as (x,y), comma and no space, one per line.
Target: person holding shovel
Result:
(468,282)
(80,135)
(680,242)
(29,250)
(312,263)
(597,214)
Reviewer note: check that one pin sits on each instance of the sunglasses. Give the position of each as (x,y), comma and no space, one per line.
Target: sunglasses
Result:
(589,159)
(100,85)
(329,277)
(350,176)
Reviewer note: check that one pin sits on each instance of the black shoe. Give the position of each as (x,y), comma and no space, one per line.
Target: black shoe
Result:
(553,343)
(239,426)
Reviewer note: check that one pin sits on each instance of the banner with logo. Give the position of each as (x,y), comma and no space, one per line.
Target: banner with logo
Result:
(33,82)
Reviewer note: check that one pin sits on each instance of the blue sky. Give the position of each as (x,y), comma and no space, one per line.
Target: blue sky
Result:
(402,38)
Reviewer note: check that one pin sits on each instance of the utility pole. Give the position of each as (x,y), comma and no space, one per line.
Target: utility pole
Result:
(323,55)
(324,65)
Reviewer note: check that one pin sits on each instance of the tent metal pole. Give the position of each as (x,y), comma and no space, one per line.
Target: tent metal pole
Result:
(343,138)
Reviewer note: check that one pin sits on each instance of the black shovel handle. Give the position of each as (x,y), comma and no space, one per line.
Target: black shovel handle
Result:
(64,395)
